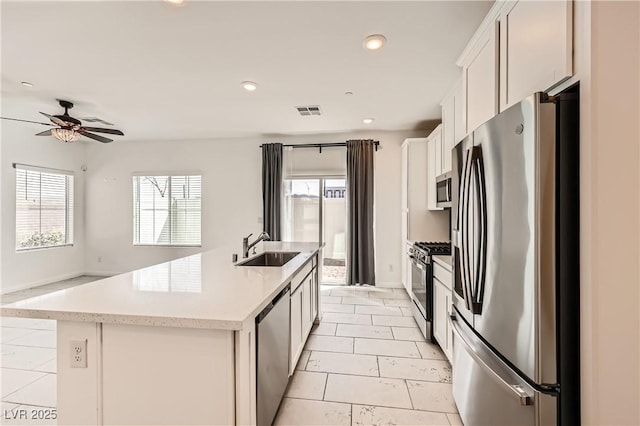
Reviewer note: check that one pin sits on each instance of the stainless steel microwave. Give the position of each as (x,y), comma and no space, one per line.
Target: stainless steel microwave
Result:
(443,190)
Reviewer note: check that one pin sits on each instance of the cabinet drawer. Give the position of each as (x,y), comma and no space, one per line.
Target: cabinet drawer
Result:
(300,276)
(441,274)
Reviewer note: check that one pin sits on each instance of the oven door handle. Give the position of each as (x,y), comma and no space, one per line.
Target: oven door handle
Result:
(419,265)
(416,262)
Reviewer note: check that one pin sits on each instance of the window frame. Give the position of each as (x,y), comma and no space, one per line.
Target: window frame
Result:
(133,197)
(69,205)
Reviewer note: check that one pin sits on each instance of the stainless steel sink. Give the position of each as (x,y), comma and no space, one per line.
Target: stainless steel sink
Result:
(270,259)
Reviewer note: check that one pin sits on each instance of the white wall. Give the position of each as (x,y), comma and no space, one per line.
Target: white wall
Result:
(26,269)
(608,59)
(231,197)
(232,200)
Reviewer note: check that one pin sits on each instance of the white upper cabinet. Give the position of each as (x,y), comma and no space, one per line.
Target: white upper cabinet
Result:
(480,78)
(520,48)
(536,42)
(434,166)
(414,196)
(452,124)
(459,129)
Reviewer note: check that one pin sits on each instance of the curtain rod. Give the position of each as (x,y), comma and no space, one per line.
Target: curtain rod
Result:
(376,144)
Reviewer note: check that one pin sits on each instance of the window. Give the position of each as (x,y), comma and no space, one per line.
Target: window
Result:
(44,208)
(167,210)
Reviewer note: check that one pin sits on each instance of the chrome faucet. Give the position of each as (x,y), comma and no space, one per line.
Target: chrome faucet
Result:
(246,246)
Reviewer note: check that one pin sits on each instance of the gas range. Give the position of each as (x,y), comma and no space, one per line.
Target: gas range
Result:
(422,282)
(423,250)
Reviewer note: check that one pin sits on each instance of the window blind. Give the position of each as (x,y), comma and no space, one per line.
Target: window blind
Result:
(44,208)
(167,210)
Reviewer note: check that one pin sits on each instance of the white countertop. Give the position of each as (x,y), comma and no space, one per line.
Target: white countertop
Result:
(443,260)
(204,290)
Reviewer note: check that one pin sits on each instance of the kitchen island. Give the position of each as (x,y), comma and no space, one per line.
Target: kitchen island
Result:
(173,343)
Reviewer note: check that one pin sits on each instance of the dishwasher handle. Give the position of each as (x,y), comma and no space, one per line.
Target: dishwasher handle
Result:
(284,292)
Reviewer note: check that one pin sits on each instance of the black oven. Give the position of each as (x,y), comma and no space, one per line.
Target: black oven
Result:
(443,190)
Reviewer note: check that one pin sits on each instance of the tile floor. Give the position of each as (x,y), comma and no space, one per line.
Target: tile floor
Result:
(364,364)
(28,360)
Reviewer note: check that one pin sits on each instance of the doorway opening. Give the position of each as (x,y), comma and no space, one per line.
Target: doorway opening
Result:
(315,209)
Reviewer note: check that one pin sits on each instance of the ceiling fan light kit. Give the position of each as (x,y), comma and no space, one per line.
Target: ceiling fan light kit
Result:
(65,135)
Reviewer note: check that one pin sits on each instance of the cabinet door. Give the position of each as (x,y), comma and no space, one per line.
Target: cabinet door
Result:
(438,142)
(448,132)
(458,108)
(306,307)
(439,314)
(480,80)
(434,164)
(296,329)
(448,330)
(314,295)
(534,63)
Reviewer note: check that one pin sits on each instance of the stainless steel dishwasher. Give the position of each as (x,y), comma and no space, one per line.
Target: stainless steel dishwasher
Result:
(272,360)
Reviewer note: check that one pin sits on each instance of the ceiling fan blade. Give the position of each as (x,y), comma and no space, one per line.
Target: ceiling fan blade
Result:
(56,120)
(95,137)
(27,121)
(103,130)
(45,133)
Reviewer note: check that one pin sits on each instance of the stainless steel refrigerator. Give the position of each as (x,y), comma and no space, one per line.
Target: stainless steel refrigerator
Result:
(515,235)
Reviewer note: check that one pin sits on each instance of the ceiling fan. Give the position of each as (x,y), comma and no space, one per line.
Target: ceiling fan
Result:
(69,129)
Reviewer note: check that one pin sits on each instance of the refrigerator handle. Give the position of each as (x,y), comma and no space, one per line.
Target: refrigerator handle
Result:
(480,255)
(466,261)
(485,360)
(461,229)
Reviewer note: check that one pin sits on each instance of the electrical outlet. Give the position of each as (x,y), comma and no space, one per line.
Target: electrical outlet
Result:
(260,219)
(99,260)
(78,354)
(390,267)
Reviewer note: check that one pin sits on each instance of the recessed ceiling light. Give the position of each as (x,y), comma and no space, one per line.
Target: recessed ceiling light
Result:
(26,83)
(374,41)
(249,86)
(175,2)
(368,120)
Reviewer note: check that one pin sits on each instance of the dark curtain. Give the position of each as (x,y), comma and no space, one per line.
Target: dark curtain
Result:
(272,189)
(360,249)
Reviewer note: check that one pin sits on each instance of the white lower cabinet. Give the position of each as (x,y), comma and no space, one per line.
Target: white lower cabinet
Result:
(304,310)
(307,321)
(315,295)
(441,310)
(406,266)
(295,328)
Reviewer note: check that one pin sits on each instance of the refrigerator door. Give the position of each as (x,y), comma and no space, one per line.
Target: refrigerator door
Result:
(459,164)
(508,236)
(487,391)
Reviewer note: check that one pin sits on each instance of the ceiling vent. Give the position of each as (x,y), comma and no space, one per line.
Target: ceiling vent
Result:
(97,120)
(309,110)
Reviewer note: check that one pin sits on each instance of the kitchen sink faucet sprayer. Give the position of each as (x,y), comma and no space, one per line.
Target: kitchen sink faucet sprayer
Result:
(246,246)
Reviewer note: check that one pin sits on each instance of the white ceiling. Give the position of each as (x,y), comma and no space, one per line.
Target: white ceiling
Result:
(163,72)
